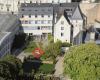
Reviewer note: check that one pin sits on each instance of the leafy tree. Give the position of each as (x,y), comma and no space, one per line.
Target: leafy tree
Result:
(50,38)
(65,44)
(53,50)
(83,62)
(10,67)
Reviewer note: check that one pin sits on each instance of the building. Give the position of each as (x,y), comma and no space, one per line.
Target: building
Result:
(42,19)
(62,30)
(72,27)
(36,19)
(12,5)
(88,1)
(9,27)
(93,33)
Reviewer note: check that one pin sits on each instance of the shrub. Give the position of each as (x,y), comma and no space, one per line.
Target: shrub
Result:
(83,62)
(65,44)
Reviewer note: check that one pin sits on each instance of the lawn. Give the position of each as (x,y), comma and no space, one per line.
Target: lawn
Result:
(46,68)
(30,47)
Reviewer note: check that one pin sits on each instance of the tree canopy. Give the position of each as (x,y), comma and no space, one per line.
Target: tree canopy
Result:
(83,62)
(10,67)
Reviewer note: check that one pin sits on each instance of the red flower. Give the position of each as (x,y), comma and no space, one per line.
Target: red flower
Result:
(37,53)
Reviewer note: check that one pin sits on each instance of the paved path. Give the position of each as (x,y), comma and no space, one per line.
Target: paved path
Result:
(59,67)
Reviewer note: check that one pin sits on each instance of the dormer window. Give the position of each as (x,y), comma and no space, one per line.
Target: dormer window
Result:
(29,15)
(36,15)
(48,15)
(42,15)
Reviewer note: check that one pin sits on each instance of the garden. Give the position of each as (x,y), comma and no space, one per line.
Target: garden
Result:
(45,64)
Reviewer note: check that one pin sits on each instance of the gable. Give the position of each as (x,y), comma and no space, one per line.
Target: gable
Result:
(77,14)
(62,18)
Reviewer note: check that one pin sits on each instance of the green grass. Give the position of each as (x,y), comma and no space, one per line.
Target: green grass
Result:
(46,68)
(30,47)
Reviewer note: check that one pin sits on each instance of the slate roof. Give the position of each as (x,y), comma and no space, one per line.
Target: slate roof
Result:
(2,34)
(30,8)
(6,22)
(77,15)
(36,5)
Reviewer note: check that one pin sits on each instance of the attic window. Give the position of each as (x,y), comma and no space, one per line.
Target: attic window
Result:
(42,15)
(36,15)
(29,15)
(62,22)
(67,9)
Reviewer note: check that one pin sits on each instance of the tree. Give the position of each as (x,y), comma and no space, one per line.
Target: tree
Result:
(10,67)
(83,62)
(53,50)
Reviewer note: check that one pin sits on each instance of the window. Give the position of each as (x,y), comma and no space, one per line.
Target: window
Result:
(18,2)
(62,22)
(42,22)
(30,34)
(30,1)
(48,15)
(29,15)
(38,28)
(62,34)
(7,9)
(29,22)
(22,22)
(42,15)
(35,15)
(22,15)
(62,28)
(49,22)
(26,22)
(1,7)
(67,9)
(35,22)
